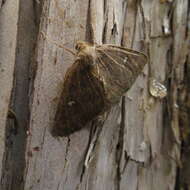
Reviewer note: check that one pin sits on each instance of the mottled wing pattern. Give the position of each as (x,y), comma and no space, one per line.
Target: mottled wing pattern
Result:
(81,100)
(118,68)
(96,81)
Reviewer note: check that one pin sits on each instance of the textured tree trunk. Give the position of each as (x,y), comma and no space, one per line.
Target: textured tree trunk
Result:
(143,143)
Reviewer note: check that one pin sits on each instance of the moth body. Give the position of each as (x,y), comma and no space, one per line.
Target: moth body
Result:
(97,79)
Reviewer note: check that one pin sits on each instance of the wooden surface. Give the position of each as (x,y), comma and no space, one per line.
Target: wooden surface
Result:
(25,30)
(139,144)
(8,38)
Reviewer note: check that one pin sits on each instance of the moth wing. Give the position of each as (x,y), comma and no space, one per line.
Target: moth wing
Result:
(118,67)
(82,99)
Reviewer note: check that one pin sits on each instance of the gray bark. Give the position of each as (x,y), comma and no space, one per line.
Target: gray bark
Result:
(143,142)
(8,38)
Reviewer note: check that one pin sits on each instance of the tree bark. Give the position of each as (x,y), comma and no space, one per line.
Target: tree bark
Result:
(8,34)
(144,141)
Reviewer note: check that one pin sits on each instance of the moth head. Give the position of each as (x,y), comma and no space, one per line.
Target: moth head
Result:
(80,45)
(84,49)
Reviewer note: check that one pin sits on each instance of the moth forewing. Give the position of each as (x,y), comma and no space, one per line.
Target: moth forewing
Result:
(119,68)
(82,99)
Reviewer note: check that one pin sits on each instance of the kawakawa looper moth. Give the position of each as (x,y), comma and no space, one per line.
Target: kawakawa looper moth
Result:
(98,78)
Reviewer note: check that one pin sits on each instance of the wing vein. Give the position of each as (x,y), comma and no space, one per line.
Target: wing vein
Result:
(112,59)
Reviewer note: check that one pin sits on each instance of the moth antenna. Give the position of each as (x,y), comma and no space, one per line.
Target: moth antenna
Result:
(67,49)
(59,45)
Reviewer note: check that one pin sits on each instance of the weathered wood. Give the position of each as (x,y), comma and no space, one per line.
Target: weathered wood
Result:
(143,130)
(8,38)
(139,144)
(179,104)
(58,163)
(24,24)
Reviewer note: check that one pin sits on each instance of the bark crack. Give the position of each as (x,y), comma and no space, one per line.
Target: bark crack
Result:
(65,163)
(120,144)
(94,135)
(89,28)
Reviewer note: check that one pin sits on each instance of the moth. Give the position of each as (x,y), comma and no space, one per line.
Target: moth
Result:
(100,75)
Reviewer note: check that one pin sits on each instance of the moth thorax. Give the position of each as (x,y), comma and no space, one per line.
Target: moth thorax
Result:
(88,51)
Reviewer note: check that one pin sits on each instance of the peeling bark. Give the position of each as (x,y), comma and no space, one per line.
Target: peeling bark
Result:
(142,143)
(8,38)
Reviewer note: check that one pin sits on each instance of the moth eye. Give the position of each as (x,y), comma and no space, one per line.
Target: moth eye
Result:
(78,47)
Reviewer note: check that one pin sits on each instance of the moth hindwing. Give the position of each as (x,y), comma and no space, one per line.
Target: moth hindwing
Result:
(98,78)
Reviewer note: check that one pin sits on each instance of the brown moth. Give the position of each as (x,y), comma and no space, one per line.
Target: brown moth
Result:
(98,78)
